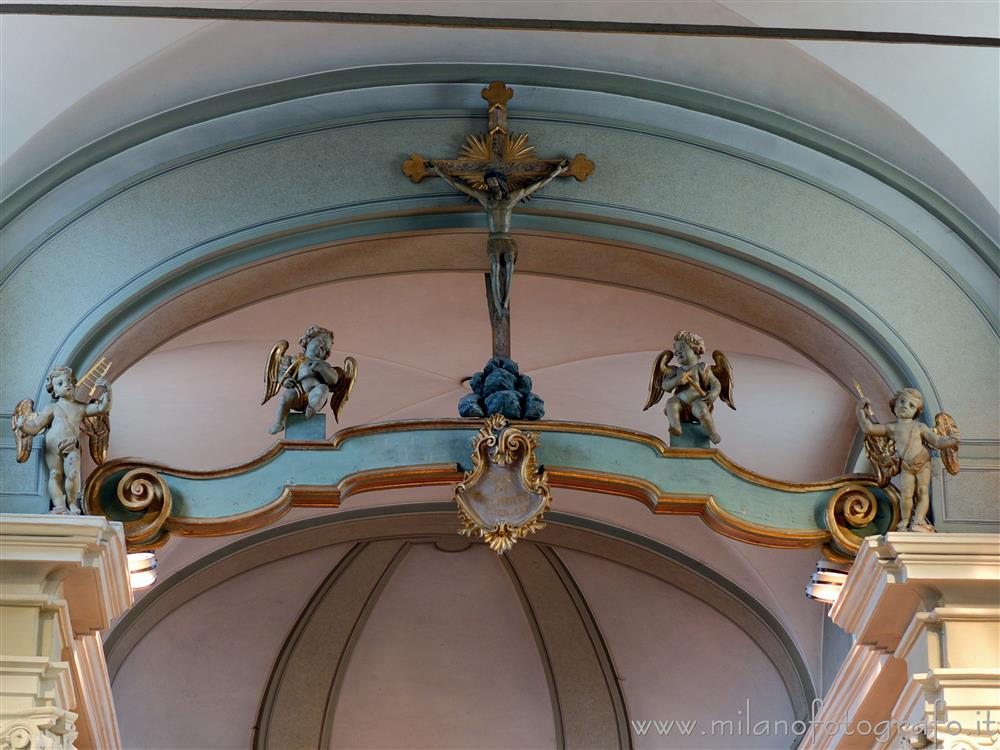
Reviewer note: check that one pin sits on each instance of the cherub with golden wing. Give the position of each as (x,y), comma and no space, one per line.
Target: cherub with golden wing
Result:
(694,385)
(307,380)
(63,420)
(900,448)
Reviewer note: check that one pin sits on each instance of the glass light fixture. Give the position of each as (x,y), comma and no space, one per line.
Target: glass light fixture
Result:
(141,569)
(827,581)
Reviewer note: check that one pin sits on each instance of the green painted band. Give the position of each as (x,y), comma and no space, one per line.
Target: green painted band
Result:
(872,334)
(565,78)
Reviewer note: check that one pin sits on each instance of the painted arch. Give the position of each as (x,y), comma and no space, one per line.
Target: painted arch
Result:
(210,207)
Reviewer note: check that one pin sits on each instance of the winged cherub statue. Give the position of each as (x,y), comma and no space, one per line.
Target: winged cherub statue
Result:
(900,447)
(695,385)
(63,420)
(307,379)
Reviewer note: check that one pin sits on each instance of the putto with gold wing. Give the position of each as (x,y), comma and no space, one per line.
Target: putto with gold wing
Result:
(504,496)
(880,449)
(902,448)
(499,170)
(694,385)
(306,381)
(71,413)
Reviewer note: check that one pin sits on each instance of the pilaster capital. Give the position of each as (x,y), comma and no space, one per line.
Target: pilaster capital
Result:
(897,575)
(85,554)
(44,728)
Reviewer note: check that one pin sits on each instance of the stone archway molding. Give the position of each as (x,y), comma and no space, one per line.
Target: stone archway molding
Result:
(796,244)
(383,533)
(378,77)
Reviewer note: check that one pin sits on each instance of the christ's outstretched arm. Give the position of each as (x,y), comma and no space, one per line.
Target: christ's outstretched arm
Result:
(529,189)
(459,186)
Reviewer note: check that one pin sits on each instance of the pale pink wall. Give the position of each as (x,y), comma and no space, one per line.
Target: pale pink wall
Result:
(446,660)
(774,577)
(195,681)
(589,347)
(790,422)
(679,659)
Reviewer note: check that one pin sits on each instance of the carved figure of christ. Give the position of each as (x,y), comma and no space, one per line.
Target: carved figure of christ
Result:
(501,248)
(499,171)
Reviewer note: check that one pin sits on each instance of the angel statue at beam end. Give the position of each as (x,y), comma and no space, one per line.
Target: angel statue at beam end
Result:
(63,420)
(901,448)
(694,385)
(307,380)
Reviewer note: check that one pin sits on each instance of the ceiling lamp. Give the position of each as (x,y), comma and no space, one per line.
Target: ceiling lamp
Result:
(141,569)
(827,581)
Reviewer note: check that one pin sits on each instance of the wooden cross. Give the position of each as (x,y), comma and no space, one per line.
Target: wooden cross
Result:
(497,151)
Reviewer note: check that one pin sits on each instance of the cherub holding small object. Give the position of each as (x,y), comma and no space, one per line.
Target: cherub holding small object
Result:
(900,447)
(695,385)
(307,378)
(63,420)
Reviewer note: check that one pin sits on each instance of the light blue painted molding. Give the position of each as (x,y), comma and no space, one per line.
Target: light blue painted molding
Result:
(22,485)
(85,191)
(908,374)
(624,213)
(526,75)
(766,266)
(734,501)
(835,304)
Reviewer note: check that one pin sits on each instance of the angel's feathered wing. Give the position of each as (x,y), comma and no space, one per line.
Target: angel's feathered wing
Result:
(723,371)
(345,384)
(26,409)
(659,372)
(944,425)
(881,451)
(98,428)
(273,372)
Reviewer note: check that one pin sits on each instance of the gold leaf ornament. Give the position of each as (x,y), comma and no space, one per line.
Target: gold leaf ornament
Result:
(143,490)
(944,425)
(580,168)
(854,506)
(504,496)
(415,168)
(516,150)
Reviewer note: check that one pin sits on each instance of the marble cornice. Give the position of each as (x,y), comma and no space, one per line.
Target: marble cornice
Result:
(86,552)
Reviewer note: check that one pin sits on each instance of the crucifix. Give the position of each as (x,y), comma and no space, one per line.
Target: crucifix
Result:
(499,171)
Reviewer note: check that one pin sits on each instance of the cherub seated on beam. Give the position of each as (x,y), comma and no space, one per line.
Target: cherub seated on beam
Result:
(694,385)
(307,378)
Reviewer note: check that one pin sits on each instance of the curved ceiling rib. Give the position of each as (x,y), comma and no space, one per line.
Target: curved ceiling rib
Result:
(433,520)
